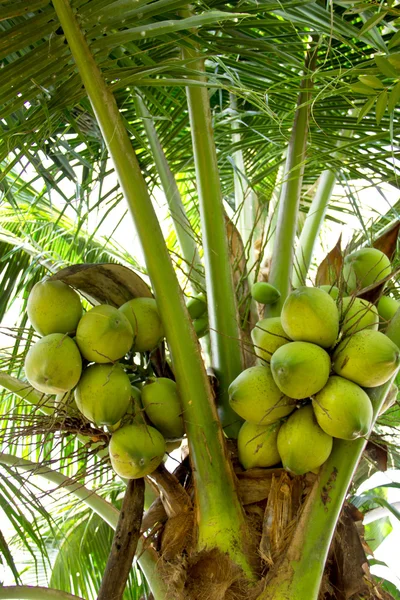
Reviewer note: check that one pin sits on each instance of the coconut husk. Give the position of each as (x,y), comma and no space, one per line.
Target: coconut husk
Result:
(154,514)
(207,575)
(174,497)
(177,536)
(284,502)
(254,489)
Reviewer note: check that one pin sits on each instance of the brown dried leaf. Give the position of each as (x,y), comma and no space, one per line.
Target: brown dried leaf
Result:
(377,452)
(347,574)
(387,242)
(105,283)
(374,291)
(331,267)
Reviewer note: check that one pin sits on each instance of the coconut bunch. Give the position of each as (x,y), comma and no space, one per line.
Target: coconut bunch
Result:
(83,353)
(315,363)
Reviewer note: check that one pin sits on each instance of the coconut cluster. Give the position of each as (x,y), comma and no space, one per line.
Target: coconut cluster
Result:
(315,362)
(84,353)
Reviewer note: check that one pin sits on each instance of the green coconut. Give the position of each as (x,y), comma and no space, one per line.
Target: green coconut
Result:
(201,326)
(53,365)
(365,267)
(104,334)
(143,315)
(255,396)
(390,399)
(264,292)
(302,445)
(163,407)
(54,307)
(358,314)
(257,445)
(103,394)
(393,329)
(310,315)
(300,369)
(332,290)
(387,308)
(136,450)
(368,358)
(197,305)
(343,409)
(268,335)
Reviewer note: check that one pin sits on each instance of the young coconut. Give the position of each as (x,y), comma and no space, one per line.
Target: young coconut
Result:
(387,308)
(343,409)
(54,307)
(368,358)
(255,396)
(136,450)
(311,315)
(365,267)
(104,334)
(393,329)
(197,305)
(265,293)
(300,369)
(358,314)
(257,445)
(201,326)
(103,394)
(332,290)
(53,365)
(162,405)
(302,445)
(268,335)
(142,314)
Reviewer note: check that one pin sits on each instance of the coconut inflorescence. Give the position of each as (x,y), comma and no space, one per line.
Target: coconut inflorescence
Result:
(97,367)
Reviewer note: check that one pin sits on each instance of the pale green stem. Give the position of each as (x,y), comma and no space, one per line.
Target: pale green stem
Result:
(220,517)
(315,219)
(312,226)
(226,351)
(28,592)
(147,558)
(280,274)
(244,196)
(180,220)
(27,392)
(300,573)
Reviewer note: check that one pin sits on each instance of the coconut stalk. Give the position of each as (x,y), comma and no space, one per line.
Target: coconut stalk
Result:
(300,572)
(226,354)
(280,274)
(244,195)
(147,557)
(312,227)
(179,217)
(220,518)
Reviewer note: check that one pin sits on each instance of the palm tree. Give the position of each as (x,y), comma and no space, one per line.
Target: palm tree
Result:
(241,112)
